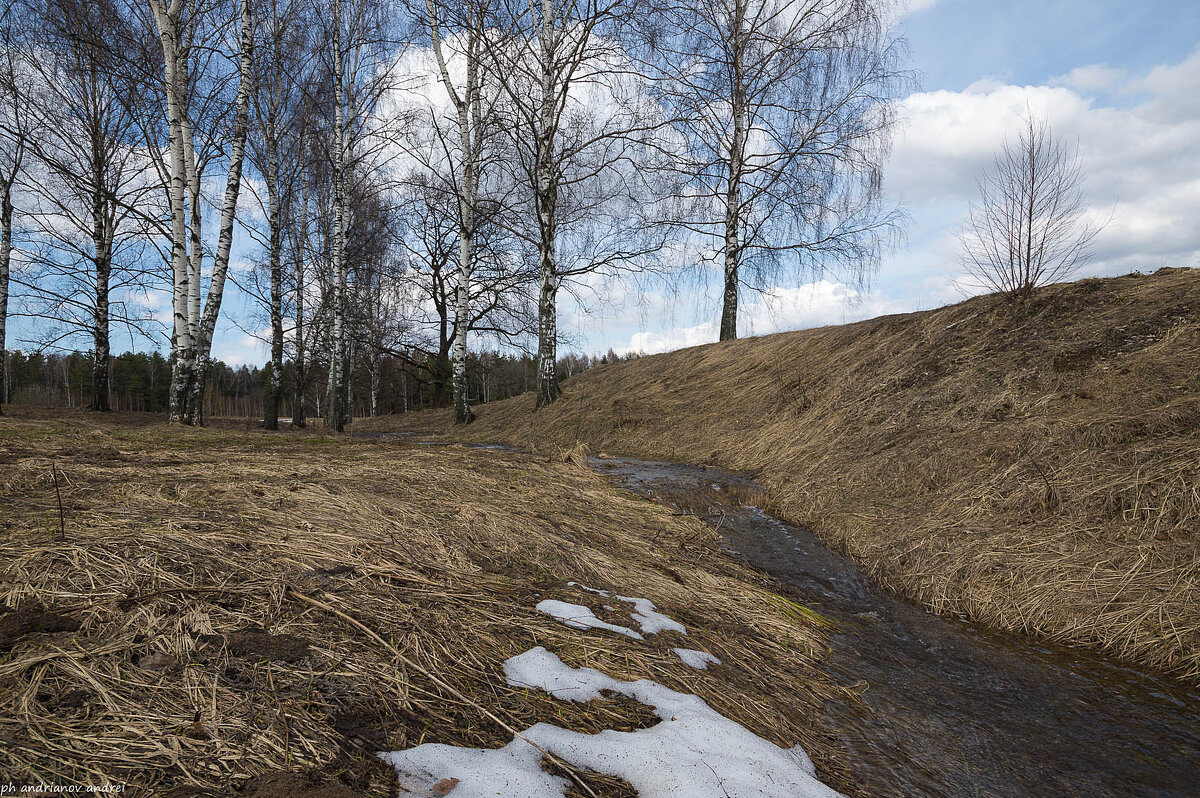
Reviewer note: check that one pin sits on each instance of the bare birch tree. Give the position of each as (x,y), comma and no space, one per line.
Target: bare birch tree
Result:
(304,262)
(469,21)
(381,303)
(499,307)
(336,411)
(430,247)
(360,56)
(578,123)
(785,111)
(14,140)
(1029,227)
(282,66)
(91,190)
(192,330)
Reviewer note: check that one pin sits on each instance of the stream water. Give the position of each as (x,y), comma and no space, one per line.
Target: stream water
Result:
(952,709)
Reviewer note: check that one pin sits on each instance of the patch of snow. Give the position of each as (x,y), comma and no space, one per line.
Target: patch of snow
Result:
(514,771)
(694,751)
(644,612)
(540,669)
(650,619)
(696,659)
(578,616)
(590,589)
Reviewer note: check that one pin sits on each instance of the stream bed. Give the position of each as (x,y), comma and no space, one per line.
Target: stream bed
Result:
(951,709)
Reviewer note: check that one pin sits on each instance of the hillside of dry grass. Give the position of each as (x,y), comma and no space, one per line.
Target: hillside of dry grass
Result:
(186,625)
(1035,467)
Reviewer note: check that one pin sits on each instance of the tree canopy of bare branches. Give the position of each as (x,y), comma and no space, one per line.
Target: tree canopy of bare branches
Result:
(784,109)
(581,128)
(417,177)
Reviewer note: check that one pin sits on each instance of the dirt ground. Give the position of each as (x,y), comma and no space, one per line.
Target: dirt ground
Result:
(226,611)
(1033,466)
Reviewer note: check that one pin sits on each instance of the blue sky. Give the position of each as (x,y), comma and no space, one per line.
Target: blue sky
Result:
(956,42)
(1122,79)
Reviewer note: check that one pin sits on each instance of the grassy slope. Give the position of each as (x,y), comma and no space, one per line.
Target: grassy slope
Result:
(1035,468)
(183,542)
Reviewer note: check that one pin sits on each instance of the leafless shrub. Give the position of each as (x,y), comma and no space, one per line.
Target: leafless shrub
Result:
(1029,227)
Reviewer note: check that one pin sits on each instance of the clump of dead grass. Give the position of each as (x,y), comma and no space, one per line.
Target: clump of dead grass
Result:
(1033,466)
(212,573)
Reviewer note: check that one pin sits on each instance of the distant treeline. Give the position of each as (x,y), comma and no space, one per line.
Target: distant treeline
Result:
(140,382)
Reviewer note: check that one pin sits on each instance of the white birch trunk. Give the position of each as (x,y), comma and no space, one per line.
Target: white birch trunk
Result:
(547,375)
(468,119)
(102,241)
(335,412)
(375,375)
(191,336)
(6,233)
(233,184)
(736,167)
(467,107)
(546,202)
(167,18)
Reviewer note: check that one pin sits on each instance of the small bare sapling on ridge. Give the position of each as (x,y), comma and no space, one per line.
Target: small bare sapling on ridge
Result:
(1029,227)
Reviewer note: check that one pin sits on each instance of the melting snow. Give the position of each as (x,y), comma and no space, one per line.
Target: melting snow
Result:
(694,751)
(650,619)
(696,659)
(514,771)
(590,589)
(578,616)
(644,612)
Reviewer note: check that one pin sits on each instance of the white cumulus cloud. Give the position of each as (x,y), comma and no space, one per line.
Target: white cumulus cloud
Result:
(814,304)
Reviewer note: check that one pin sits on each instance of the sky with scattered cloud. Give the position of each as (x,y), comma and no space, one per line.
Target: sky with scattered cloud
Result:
(1121,80)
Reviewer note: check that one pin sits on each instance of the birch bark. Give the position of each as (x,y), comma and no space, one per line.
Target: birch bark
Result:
(335,412)
(102,241)
(735,167)
(546,203)
(233,183)
(167,17)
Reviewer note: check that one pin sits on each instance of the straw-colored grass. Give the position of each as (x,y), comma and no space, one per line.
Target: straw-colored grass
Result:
(1035,467)
(392,580)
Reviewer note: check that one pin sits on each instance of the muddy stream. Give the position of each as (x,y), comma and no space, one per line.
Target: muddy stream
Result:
(952,709)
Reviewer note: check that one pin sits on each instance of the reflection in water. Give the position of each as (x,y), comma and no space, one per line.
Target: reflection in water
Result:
(953,709)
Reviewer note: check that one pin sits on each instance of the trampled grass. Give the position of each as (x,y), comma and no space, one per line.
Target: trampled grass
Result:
(195,626)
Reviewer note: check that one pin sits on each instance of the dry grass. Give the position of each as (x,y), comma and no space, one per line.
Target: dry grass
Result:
(1035,467)
(196,663)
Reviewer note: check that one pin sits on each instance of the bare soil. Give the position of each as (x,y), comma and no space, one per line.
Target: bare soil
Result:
(16,624)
